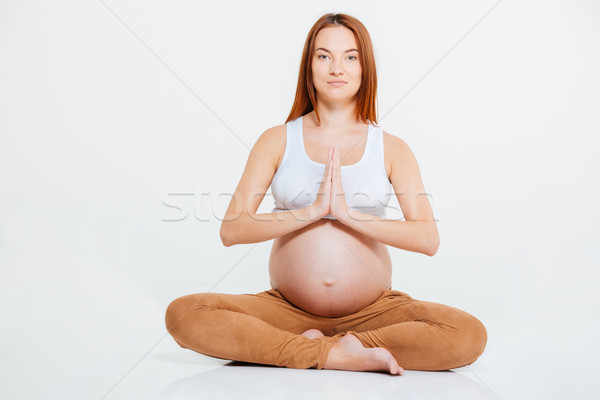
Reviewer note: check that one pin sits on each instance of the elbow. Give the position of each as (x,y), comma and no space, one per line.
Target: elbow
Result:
(231,231)
(434,247)
(226,243)
(225,237)
(433,244)
(432,250)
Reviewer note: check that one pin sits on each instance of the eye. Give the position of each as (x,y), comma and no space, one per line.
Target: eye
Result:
(353,56)
(321,55)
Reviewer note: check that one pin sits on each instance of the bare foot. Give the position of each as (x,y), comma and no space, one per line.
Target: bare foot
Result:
(312,333)
(349,354)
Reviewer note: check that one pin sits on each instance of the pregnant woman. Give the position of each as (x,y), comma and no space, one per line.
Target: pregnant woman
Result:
(331,305)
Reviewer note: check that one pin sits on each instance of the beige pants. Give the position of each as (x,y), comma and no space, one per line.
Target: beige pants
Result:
(264,328)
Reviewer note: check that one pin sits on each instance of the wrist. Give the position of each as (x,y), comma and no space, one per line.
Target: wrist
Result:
(313,213)
(346,217)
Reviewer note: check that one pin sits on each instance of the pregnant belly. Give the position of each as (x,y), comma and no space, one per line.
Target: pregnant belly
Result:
(328,269)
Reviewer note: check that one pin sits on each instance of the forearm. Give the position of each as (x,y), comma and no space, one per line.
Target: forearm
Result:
(254,228)
(416,236)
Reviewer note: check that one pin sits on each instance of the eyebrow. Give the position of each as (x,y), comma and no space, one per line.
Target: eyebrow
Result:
(320,48)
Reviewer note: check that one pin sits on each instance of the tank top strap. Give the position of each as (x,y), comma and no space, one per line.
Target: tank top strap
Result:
(373,144)
(294,130)
(378,142)
(378,153)
(290,145)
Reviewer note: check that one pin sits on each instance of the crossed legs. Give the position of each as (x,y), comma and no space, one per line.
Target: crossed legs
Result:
(264,328)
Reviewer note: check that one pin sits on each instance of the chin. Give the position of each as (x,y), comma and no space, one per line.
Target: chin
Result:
(337,94)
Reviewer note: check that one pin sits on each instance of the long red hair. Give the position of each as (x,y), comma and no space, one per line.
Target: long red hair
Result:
(366,97)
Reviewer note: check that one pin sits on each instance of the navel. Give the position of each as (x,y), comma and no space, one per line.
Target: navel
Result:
(328,282)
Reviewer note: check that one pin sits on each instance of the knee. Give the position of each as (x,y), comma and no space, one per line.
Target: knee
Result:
(474,339)
(176,312)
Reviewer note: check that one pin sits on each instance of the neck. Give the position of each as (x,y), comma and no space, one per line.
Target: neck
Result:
(335,114)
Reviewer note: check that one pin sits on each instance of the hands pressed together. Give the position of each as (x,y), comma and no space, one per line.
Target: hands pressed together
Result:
(330,198)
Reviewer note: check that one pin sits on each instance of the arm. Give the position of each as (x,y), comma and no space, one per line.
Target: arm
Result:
(416,236)
(241,224)
(245,227)
(418,232)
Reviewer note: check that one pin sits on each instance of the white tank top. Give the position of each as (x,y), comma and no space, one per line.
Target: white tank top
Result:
(296,182)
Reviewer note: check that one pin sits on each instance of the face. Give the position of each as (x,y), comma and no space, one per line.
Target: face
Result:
(336,58)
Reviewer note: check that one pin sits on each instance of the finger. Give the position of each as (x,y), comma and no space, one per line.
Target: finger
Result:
(333,172)
(333,159)
(327,167)
(330,162)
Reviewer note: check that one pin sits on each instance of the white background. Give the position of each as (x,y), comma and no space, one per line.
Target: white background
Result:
(111,110)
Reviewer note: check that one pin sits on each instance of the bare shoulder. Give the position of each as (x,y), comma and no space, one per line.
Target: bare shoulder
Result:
(396,150)
(392,141)
(271,144)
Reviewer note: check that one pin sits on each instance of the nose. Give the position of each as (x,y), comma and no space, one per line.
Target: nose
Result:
(336,69)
